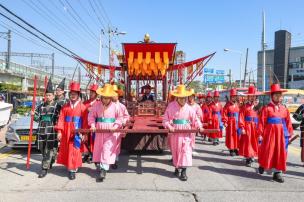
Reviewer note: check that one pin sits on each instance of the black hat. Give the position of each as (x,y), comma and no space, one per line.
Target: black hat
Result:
(61,85)
(49,88)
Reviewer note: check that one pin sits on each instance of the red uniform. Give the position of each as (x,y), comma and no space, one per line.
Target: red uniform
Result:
(248,121)
(215,119)
(205,110)
(71,117)
(275,127)
(230,118)
(90,138)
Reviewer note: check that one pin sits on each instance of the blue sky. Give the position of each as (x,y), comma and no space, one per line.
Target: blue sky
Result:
(199,27)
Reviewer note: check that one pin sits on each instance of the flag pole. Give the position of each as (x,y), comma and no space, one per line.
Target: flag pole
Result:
(31,124)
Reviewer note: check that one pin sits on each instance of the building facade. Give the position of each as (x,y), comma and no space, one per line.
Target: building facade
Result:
(284,64)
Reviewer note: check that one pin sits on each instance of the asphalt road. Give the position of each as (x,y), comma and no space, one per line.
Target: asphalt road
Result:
(215,176)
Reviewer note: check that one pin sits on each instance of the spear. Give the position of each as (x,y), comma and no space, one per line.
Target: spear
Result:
(31,124)
(45,86)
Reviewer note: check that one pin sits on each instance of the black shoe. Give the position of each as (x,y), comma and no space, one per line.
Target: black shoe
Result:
(261,170)
(248,162)
(236,152)
(101,176)
(114,166)
(43,173)
(72,175)
(177,172)
(278,177)
(209,140)
(183,176)
(231,153)
(86,158)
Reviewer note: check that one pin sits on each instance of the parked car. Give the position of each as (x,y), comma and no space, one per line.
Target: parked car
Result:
(17,134)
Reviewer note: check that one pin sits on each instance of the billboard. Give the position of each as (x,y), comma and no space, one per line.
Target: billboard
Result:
(208,71)
(214,76)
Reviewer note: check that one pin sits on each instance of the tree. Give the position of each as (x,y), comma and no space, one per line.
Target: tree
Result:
(197,86)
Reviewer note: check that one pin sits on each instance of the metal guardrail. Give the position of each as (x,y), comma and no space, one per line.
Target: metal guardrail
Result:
(24,71)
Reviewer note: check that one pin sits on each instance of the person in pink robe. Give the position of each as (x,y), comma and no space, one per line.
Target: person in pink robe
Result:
(179,115)
(197,108)
(105,115)
(125,119)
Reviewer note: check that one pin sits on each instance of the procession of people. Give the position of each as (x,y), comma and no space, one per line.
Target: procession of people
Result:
(256,133)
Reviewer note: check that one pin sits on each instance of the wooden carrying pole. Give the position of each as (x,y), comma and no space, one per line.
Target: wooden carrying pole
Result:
(149,131)
(31,124)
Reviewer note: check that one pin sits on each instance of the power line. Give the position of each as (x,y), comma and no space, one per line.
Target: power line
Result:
(88,13)
(22,36)
(62,24)
(105,12)
(80,21)
(100,21)
(69,53)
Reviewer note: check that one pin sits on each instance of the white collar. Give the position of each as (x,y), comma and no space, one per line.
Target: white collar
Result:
(75,104)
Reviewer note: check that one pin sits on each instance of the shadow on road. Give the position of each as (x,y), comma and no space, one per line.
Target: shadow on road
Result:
(235,172)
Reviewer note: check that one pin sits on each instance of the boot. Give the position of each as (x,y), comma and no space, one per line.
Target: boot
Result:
(183,176)
(277,176)
(261,170)
(102,175)
(86,158)
(248,162)
(177,172)
(72,175)
(114,166)
(236,152)
(231,153)
(43,173)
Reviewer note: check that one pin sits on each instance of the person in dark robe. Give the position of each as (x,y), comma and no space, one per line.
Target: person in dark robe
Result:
(60,94)
(147,94)
(46,114)
(299,116)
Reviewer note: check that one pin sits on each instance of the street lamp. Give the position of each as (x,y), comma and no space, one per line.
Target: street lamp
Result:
(111,33)
(241,55)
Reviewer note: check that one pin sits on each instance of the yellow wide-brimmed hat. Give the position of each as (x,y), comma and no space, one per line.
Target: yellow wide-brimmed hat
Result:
(115,88)
(181,91)
(106,91)
(192,91)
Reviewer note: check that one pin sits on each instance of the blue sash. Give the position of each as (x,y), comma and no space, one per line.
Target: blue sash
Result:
(252,119)
(236,115)
(180,121)
(220,118)
(77,124)
(105,120)
(278,120)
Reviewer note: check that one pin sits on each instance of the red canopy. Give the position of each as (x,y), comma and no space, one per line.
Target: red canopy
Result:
(148,47)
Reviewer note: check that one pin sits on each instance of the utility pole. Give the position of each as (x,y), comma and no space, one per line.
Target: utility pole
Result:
(229,76)
(8,56)
(245,72)
(264,55)
(53,64)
